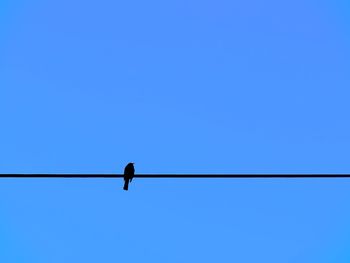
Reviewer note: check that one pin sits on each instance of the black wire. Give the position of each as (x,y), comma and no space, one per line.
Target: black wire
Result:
(54,175)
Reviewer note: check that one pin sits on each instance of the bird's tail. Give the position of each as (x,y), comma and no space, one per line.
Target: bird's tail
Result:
(126,185)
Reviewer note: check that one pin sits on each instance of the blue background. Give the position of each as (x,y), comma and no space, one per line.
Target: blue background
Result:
(177,87)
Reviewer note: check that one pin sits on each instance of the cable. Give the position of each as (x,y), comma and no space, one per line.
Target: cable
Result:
(255,176)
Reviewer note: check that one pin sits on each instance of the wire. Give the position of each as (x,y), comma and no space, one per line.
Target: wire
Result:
(256,176)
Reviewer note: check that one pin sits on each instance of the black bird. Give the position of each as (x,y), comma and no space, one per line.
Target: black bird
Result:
(129,172)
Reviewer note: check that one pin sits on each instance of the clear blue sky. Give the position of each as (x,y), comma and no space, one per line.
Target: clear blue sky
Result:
(177,87)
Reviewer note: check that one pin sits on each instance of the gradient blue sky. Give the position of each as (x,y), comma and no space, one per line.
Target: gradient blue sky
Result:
(176,87)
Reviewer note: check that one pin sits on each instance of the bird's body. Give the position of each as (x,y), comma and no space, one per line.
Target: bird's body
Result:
(129,172)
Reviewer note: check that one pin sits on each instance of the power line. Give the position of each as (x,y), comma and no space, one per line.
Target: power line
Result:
(253,176)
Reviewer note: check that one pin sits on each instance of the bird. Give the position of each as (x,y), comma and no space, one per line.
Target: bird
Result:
(129,172)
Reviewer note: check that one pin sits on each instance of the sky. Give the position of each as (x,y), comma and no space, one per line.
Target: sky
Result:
(176,87)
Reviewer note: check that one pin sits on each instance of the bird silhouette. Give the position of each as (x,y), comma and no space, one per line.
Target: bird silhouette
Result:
(129,172)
